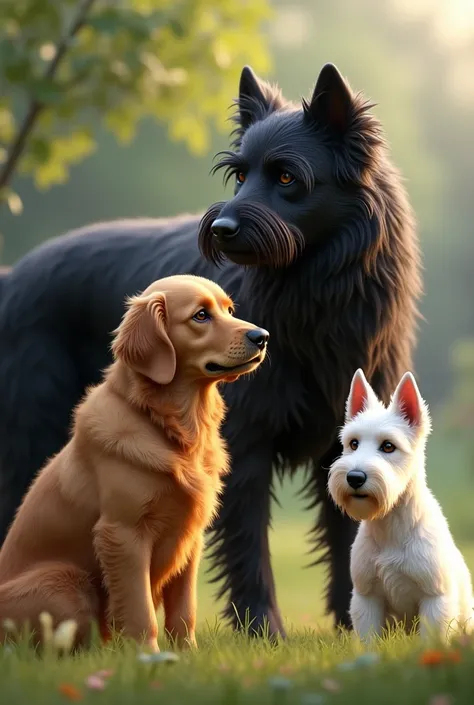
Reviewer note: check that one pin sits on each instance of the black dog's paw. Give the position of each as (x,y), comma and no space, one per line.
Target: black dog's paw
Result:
(343,621)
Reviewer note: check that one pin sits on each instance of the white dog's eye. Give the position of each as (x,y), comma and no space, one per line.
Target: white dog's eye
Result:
(354,444)
(387,447)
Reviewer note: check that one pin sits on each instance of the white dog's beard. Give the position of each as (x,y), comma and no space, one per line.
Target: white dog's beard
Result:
(372,501)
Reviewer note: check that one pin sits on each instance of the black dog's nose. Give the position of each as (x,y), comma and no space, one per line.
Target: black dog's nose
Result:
(259,337)
(356,478)
(225,228)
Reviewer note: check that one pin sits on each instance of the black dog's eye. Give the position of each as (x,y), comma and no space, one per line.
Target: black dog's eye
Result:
(354,444)
(387,447)
(201,316)
(241,177)
(285,178)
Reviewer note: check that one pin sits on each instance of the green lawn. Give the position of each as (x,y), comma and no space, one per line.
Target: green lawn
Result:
(315,666)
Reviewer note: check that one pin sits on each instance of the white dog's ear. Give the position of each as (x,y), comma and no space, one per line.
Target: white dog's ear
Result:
(408,402)
(360,397)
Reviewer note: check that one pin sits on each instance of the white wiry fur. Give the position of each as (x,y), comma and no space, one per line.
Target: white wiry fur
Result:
(404,562)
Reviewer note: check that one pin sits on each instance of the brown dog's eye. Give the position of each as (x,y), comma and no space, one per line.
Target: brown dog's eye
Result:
(387,447)
(354,444)
(201,316)
(241,177)
(231,311)
(286,178)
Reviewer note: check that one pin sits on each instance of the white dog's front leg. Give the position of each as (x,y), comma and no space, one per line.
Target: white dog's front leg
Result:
(367,615)
(436,616)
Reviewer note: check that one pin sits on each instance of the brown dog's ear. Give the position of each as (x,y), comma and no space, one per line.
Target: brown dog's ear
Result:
(142,341)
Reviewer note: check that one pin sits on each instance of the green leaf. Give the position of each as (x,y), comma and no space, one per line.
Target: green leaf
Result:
(53,172)
(111,21)
(44,90)
(107,22)
(177,28)
(63,151)
(122,124)
(8,51)
(190,129)
(18,70)
(74,147)
(7,123)
(82,65)
(40,149)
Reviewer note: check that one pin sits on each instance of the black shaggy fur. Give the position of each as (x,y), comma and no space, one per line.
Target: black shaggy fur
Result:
(322,253)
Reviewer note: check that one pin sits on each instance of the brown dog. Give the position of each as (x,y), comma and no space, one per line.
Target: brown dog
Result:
(113,525)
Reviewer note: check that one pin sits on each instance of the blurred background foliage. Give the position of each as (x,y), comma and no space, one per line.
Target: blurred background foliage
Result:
(139,104)
(76,64)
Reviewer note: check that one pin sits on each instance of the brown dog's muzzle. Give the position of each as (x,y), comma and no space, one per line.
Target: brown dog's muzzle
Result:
(248,347)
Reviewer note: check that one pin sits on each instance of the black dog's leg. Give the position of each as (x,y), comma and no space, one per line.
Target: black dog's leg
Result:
(340,533)
(335,534)
(240,546)
(38,390)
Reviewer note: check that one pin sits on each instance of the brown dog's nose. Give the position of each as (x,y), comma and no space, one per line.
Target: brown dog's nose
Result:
(259,337)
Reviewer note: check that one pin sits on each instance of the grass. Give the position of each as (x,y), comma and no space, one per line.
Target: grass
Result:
(314,666)
(310,668)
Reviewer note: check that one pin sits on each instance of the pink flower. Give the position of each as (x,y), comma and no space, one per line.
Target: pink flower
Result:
(95,682)
(441,699)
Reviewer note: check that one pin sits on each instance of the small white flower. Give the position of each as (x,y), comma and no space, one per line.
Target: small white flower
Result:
(347,666)
(158,657)
(312,699)
(46,622)
(63,639)
(9,626)
(280,683)
(368,659)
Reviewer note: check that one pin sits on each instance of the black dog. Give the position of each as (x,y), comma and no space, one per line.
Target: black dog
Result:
(322,253)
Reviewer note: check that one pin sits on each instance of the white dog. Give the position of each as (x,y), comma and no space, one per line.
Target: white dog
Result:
(404,562)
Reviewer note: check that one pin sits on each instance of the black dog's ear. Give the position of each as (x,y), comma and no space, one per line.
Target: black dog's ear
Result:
(332,101)
(257,98)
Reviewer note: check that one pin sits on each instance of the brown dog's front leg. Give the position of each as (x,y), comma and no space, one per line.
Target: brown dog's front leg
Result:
(124,556)
(180,598)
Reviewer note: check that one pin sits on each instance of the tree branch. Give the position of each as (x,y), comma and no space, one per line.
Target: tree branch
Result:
(35,106)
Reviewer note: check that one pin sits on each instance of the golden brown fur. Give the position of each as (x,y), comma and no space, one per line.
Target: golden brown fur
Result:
(113,525)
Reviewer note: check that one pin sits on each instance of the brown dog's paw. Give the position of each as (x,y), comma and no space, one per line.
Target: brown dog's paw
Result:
(151,645)
(189,642)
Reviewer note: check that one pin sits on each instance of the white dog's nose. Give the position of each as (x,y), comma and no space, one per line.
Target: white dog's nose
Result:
(356,478)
